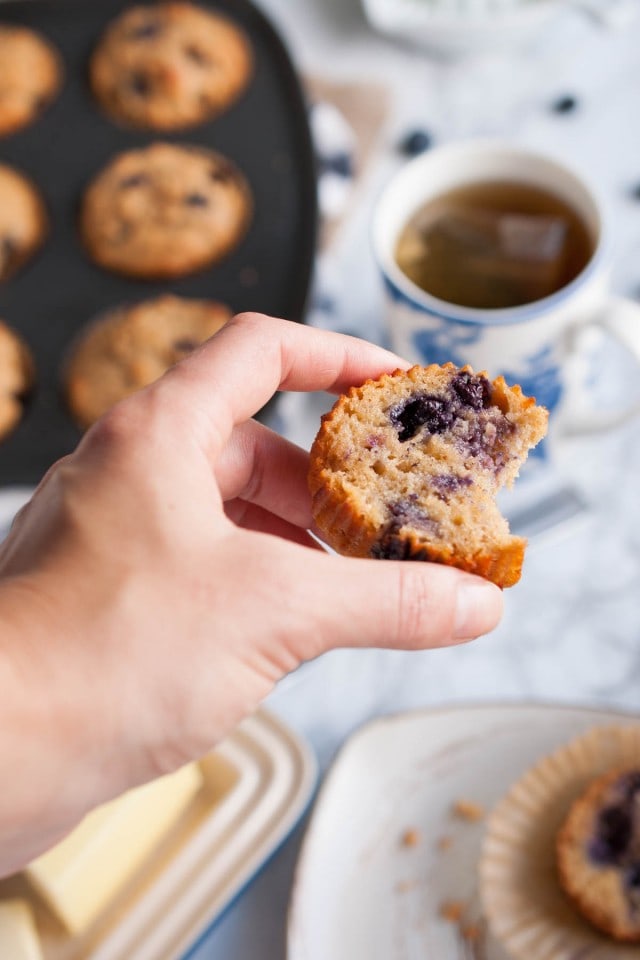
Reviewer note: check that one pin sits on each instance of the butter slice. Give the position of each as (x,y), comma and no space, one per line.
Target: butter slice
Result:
(18,936)
(80,876)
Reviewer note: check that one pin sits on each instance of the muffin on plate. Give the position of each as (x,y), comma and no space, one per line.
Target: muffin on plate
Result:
(170,66)
(598,853)
(164,211)
(559,865)
(30,76)
(16,378)
(131,346)
(23,220)
(407,467)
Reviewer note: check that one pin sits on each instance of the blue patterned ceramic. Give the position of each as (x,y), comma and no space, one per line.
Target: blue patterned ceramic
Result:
(533,344)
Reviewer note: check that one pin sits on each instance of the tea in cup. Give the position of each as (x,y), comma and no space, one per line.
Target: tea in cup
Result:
(496,256)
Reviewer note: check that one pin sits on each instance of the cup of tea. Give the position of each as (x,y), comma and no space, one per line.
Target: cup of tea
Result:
(497,256)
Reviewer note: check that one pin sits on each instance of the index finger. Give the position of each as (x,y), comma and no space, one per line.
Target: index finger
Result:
(234,374)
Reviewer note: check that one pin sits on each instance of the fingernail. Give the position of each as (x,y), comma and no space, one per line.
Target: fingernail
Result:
(478,608)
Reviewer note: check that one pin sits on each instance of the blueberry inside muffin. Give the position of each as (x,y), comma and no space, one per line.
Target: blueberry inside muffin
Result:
(407,468)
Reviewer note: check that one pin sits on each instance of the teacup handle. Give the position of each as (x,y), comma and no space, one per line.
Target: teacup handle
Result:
(620,319)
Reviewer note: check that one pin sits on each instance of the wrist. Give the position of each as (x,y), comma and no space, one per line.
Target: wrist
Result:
(58,744)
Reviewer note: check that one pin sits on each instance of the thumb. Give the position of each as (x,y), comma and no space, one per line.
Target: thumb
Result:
(372,603)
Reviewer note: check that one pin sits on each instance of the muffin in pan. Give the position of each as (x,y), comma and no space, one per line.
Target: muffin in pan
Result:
(16,378)
(23,220)
(131,346)
(170,66)
(30,76)
(165,211)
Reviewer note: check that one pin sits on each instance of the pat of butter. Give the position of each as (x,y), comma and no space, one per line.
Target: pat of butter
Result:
(82,874)
(18,936)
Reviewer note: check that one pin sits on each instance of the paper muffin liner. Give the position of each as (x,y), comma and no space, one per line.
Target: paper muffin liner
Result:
(523,902)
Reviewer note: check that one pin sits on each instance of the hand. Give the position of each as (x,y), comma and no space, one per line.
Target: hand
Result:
(162,580)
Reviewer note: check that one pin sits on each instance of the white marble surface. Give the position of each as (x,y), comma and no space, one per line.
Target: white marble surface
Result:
(571,632)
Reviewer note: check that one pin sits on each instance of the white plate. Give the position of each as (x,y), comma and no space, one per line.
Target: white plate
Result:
(256,786)
(360,893)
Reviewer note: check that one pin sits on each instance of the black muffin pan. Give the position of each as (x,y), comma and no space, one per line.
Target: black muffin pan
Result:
(50,299)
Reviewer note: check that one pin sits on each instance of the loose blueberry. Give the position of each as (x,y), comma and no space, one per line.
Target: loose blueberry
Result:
(339,163)
(565,104)
(415,142)
(634,192)
(474,391)
(434,413)
(196,200)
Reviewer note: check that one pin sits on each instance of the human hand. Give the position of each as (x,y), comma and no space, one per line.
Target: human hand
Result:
(162,580)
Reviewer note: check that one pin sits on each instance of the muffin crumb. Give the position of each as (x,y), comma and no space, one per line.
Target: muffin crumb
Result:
(411,837)
(444,843)
(468,810)
(404,886)
(472,932)
(452,910)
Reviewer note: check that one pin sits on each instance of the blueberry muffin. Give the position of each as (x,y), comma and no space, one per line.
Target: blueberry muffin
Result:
(23,220)
(132,346)
(598,853)
(30,76)
(16,378)
(407,468)
(164,211)
(170,66)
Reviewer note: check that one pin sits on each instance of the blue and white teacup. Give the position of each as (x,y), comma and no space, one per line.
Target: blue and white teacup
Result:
(535,344)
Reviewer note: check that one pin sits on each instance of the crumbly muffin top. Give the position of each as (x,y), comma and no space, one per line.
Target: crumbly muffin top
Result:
(22,220)
(165,210)
(16,378)
(30,76)
(131,347)
(170,66)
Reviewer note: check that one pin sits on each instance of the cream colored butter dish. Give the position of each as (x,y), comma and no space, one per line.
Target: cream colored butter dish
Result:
(143,877)
(80,876)
(18,935)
